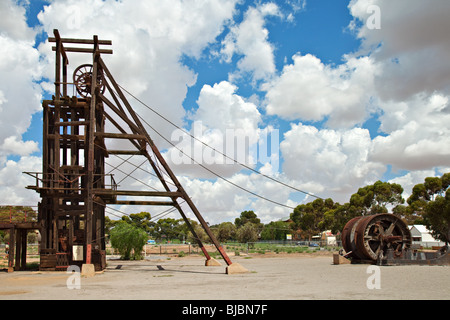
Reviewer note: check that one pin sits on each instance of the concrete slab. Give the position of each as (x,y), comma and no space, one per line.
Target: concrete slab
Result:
(212,263)
(88,270)
(338,259)
(235,268)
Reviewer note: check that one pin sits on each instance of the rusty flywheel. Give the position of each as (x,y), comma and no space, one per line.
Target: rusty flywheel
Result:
(370,237)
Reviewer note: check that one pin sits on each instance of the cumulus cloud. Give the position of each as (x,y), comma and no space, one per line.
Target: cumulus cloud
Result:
(13,23)
(13,181)
(20,97)
(411,46)
(392,75)
(219,201)
(220,107)
(19,69)
(224,121)
(249,40)
(418,134)
(329,163)
(311,91)
(13,146)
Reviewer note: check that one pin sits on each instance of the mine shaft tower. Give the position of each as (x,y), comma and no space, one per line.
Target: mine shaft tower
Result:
(73,186)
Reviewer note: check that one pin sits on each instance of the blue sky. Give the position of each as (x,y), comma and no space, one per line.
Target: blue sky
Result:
(352,104)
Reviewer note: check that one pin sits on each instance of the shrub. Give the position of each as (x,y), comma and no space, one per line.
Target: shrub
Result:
(127,238)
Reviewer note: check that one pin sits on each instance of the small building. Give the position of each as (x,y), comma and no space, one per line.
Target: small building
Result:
(329,238)
(422,236)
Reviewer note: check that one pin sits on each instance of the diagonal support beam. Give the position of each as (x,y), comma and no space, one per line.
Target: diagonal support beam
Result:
(164,164)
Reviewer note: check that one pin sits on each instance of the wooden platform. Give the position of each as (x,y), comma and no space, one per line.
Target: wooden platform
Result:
(17,259)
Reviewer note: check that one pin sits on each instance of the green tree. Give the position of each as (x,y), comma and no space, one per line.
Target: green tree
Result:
(140,220)
(247,216)
(373,199)
(417,202)
(109,224)
(169,229)
(129,240)
(430,203)
(247,233)
(336,218)
(433,186)
(275,230)
(310,217)
(437,217)
(225,231)
(200,232)
(17,214)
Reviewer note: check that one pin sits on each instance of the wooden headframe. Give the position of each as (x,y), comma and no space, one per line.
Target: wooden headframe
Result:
(73,185)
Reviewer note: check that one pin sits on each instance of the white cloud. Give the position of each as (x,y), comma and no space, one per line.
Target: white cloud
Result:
(327,162)
(221,108)
(411,46)
(13,181)
(249,40)
(19,99)
(19,94)
(12,23)
(220,201)
(224,121)
(311,91)
(418,133)
(13,146)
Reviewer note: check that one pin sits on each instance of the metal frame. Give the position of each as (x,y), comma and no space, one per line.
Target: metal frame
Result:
(73,182)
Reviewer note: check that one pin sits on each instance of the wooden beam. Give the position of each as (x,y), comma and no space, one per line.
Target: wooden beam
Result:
(71,123)
(164,164)
(58,39)
(85,50)
(70,213)
(125,152)
(81,41)
(139,193)
(144,203)
(119,135)
(66,136)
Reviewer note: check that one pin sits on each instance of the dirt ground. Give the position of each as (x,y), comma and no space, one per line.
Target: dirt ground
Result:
(270,277)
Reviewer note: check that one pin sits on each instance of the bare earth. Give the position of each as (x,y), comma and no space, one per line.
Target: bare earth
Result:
(270,277)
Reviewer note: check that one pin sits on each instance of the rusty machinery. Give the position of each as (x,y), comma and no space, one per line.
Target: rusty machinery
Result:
(385,239)
(73,186)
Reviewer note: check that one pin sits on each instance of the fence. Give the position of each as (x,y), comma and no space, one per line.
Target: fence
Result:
(282,246)
(176,249)
(32,254)
(237,248)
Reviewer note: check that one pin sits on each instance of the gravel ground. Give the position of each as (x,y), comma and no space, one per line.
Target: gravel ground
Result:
(270,277)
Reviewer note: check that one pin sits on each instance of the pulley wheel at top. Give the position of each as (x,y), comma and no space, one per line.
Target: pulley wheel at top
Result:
(82,78)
